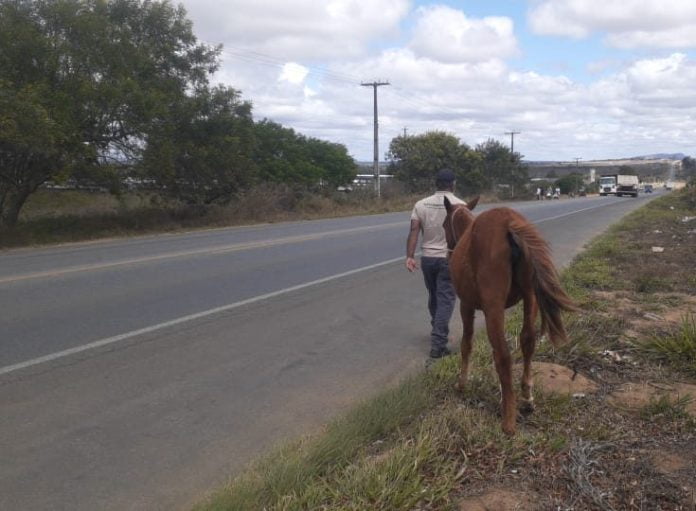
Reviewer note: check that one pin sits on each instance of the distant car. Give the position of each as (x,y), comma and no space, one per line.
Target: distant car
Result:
(648,188)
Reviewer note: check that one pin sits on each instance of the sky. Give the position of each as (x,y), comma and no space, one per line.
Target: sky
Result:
(590,79)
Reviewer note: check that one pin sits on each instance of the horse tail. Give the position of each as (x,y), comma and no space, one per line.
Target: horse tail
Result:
(551,298)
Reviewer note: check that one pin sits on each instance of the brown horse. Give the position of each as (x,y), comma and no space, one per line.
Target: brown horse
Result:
(497,259)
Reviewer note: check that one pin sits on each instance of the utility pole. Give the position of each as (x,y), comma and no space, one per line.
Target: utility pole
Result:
(405,131)
(577,166)
(374,86)
(512,139)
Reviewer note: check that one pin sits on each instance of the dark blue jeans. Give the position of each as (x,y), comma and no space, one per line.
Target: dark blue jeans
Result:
(441,298)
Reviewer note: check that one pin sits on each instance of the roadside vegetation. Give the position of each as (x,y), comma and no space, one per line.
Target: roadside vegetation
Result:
(52,216)
(615,420)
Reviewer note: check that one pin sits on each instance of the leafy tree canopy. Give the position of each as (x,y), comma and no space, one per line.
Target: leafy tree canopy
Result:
(415,160)
(570,183)
(87,80)
(284,156)
(500,165)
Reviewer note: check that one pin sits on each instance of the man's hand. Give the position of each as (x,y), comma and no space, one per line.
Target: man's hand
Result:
(411,242)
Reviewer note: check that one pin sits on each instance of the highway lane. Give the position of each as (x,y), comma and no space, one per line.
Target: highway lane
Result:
(154,419)
(58,298)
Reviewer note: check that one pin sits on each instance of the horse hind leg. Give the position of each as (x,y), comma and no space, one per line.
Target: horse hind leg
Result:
(528,345)
(495,325)
(467,314)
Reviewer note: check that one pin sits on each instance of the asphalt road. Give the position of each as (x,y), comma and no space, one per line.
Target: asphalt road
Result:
(140,373)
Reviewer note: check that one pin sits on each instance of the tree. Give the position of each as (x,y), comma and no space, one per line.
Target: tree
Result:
(415,160)
(337,166)
(284,156)
(688,168)
(627,170)
(202,152)
(501,166)
(570,183)
(84,82)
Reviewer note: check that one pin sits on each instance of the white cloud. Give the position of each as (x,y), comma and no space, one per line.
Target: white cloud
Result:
(636,107)
(448,35)
(293,73)
(297,29)
(627,23)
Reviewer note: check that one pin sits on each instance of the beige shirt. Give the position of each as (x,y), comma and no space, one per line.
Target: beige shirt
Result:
(430,212)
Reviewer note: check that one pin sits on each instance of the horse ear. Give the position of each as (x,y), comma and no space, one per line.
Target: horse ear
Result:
(472,203)
(448,205)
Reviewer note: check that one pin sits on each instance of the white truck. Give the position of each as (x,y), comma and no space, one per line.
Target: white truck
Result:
(618,184)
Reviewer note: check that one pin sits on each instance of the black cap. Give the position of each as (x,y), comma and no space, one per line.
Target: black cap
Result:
(445,176)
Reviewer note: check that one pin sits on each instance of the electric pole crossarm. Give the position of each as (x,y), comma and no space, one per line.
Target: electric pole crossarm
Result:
(512,139)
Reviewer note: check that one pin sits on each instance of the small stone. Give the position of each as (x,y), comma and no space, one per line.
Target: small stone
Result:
(658,249)
(654,317)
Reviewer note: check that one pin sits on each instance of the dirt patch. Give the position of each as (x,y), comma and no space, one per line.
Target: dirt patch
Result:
(498,499)
(637,395)
(560,379)
(668,462)
(663,311)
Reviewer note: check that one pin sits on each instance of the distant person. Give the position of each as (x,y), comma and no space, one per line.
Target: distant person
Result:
(427,218)
(538,193)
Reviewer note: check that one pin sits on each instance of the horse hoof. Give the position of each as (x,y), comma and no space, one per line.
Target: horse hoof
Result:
(527,407)
(509,431)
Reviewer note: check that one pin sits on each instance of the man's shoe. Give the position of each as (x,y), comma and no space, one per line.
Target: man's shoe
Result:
(440,352)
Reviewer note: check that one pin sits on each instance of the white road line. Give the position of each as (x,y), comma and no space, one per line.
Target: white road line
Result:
(235,247)
(183,319)
(572,213)
(210,312)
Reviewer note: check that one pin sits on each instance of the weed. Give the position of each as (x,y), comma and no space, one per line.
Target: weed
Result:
(666,408)
(648,283)
(677,348)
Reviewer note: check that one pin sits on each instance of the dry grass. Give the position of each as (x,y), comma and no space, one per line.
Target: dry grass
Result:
(55,216)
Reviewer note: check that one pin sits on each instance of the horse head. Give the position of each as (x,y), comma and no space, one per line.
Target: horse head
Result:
(458,218)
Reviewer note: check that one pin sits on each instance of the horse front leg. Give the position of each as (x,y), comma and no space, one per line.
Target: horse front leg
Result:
(467,313)
(495,325)
(528,345)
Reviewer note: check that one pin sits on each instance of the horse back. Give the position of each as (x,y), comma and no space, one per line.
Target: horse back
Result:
(487,259)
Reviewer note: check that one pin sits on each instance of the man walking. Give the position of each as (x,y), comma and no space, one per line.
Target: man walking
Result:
(427,218)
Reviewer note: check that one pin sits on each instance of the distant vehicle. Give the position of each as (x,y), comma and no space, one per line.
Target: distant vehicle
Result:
(669,185)
(363,180)
(582,192)
(618,184)
(648,189)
